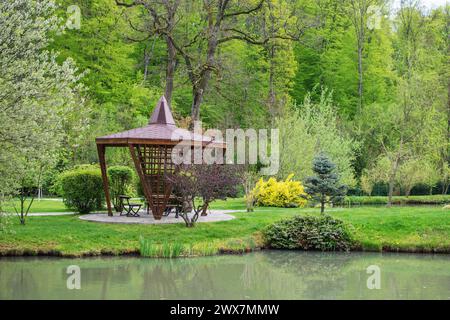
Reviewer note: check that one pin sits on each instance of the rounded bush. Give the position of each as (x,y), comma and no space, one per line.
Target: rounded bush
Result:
(82,189)
(309,233)
(273,193)
(120,183)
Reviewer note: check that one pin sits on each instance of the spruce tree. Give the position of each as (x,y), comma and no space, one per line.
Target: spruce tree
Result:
(324,186)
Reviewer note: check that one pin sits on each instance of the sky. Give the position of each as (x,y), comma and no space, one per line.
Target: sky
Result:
(428,3)
(434,3)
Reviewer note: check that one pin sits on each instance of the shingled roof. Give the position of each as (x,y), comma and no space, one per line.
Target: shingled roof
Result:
(161,129)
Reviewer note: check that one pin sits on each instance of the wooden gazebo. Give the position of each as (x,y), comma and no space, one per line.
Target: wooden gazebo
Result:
(151,150)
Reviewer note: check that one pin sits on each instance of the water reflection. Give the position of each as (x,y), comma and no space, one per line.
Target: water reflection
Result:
(260,275)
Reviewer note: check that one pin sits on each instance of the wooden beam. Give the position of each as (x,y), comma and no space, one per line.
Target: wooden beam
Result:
(101,158)
(137,164)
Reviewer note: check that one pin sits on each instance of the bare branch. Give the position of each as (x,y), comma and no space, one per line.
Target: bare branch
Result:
(238,13)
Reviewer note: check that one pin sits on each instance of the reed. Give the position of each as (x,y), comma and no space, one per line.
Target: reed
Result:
(177,249)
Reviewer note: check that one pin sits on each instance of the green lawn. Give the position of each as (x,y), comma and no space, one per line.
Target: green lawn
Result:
(375,228)
(43,205)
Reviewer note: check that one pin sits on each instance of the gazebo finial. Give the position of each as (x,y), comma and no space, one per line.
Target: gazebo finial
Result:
(162,113)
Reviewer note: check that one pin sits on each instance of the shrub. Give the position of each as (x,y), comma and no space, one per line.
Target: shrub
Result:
(398,200)
(308,233)
(273,193)
(120,183)
(82,189)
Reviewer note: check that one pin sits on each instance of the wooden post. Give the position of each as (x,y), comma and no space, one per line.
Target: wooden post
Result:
(141,174)
(101,158)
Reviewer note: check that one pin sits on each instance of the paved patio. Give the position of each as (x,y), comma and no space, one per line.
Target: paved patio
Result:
(39,214)
(144,218)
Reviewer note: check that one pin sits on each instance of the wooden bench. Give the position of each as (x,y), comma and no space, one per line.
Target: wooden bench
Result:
(127,208)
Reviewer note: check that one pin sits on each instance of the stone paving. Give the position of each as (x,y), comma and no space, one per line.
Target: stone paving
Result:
(144,218)
(38,214)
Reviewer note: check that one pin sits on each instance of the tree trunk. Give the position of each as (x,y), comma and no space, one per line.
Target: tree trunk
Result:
(271,54)
(322,205)
(445,188)
(22,207)
(407,192)
(272,95)
(391,184)
(200,84)
(170,70)
(196,102)
(360,75)
(391,191)
(205,210)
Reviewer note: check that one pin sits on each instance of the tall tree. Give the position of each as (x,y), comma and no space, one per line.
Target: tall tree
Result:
(37,94)
(360,11)
(407,130)
(159,20)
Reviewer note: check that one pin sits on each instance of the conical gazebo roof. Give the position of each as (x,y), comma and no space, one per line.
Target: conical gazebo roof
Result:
(161,129)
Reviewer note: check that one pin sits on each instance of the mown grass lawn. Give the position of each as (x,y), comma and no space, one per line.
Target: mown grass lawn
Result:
(43,205)
(420,228)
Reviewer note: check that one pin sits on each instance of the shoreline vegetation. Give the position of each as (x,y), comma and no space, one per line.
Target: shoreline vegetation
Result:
(419,229)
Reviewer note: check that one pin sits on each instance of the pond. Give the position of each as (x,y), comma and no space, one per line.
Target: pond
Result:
(259,275)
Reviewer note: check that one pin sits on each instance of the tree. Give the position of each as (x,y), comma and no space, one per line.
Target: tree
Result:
(406,128)
(359,12)
(324,187)
(410,174)
(159,21)
(249,179)
(37,94)
(317,125)
(367,182)
(197,33)
(445,177)
(204,182)
(28,180)
(431,176)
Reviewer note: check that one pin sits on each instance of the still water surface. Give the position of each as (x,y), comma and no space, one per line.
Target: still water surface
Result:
(259,275)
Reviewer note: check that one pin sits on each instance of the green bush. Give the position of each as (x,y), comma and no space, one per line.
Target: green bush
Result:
(120,183)
(398,200)
(273,193)
(82,189)
(309,233)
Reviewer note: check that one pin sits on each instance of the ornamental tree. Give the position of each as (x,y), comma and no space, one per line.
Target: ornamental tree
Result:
(39,96)
(325,186)
(199,185)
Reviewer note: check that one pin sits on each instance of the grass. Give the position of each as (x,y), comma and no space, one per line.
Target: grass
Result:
(412,229)
(43,205)
(147,248)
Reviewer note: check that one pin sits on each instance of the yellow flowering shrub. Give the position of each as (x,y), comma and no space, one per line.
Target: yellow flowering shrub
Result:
(273,193)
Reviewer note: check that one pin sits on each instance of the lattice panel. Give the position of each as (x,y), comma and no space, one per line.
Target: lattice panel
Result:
(155,162)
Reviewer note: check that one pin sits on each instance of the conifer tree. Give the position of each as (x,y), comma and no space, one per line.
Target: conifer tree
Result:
(324,187)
